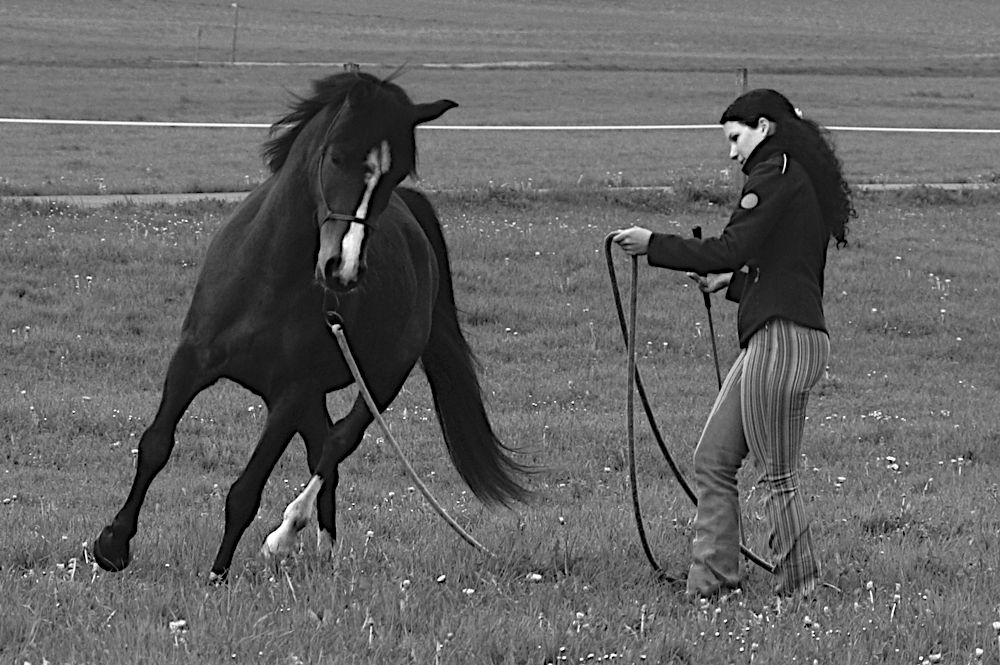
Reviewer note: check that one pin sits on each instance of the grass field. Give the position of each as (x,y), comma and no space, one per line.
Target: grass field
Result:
(905,63)
(900,464)
(901,459)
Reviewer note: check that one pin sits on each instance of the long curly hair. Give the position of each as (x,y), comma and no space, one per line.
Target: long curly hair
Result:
(809,144)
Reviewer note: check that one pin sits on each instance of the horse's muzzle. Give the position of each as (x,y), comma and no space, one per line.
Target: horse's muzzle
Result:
(340,262)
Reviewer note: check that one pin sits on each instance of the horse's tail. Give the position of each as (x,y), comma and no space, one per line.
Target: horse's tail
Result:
(450,367)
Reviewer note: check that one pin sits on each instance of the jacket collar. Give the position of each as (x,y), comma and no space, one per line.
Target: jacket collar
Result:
(766,148)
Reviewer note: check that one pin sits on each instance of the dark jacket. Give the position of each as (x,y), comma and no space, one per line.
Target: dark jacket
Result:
(775,244)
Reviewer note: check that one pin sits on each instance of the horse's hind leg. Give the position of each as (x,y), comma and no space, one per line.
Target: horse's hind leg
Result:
(244,495)
(184,381)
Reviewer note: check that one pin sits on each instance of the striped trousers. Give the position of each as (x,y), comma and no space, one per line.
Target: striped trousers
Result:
(760,409)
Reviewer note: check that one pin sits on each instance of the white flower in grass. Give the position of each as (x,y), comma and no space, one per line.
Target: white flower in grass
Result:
(178,626)
(534,577)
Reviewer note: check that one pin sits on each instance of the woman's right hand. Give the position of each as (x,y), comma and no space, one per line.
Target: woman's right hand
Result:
(712,282)
(634,240)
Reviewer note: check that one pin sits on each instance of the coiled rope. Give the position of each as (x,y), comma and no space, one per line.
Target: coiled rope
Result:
(635,385)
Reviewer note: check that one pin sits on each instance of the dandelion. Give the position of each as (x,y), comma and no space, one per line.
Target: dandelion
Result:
(368,624)
(534,577)
(996,628)
(441,578)
(895,602)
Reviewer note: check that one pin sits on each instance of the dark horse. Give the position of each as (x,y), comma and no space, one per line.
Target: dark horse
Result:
(327,235)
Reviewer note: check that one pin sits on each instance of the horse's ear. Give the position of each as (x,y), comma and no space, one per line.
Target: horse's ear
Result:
(431,110)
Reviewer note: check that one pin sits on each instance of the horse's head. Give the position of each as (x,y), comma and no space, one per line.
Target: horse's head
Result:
(353,143)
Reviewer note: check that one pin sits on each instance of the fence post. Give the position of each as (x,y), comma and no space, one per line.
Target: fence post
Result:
(236,27)
(742,76)
(741,80)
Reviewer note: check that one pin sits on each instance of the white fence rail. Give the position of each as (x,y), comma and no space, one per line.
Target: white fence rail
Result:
(491,128)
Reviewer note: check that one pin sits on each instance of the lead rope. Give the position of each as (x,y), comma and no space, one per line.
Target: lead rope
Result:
(635,385)
(630,428)
(345,349)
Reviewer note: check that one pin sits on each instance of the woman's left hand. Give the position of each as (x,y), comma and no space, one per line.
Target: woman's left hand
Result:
(635,241)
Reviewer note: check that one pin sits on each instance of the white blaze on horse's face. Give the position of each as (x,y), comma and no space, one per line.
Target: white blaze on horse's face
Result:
(377,164)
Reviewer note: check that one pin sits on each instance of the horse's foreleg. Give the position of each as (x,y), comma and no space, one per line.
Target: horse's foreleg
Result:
(316,429)
(281,542)
(320,493)
(183,382)
(244,495)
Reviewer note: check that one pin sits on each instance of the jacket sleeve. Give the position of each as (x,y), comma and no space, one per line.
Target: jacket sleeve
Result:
(762,201)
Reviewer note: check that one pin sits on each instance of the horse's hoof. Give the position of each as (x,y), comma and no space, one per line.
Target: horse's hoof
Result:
(280,543)
(218,579)
(324,543)
(109,555)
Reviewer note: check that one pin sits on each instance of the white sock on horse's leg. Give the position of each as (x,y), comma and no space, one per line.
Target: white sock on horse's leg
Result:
(281,541)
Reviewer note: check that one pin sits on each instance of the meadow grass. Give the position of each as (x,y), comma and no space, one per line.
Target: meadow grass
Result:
(899,468)
(853,64)
(90,160)
(901,458)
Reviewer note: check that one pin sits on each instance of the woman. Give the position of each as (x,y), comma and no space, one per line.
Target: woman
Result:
(771,256)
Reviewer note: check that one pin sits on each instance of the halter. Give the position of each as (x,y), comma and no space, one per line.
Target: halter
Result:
(378,161)
(323,212)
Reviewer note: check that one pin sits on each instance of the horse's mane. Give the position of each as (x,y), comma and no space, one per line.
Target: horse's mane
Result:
(332,90)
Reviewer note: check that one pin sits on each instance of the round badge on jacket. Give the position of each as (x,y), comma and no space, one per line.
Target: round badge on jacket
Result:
(749,201)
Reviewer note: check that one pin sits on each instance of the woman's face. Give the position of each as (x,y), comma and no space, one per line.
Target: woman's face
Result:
(743,138)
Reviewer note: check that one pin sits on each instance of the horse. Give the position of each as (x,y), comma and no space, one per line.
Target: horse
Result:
(330,235)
